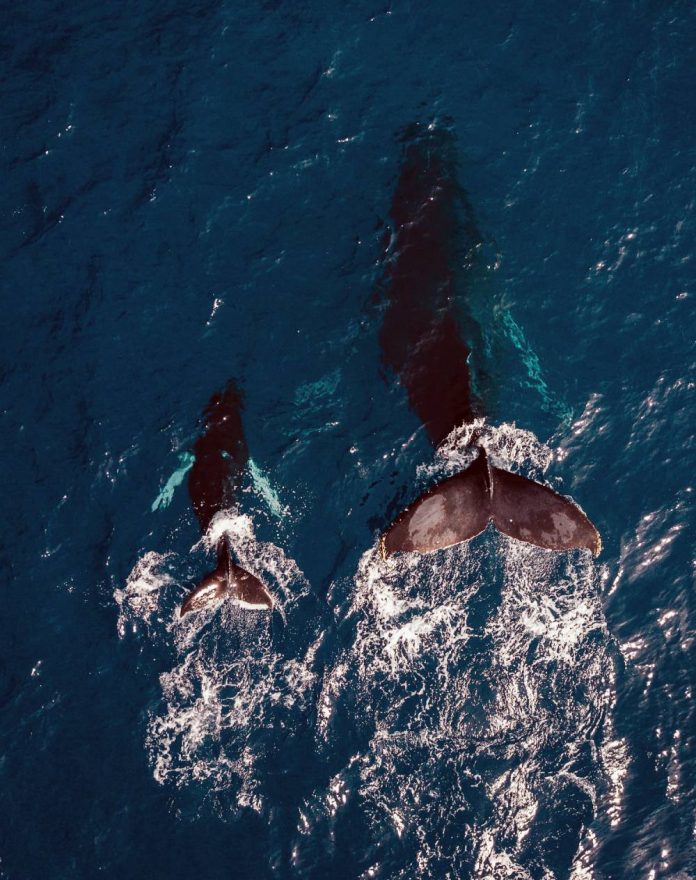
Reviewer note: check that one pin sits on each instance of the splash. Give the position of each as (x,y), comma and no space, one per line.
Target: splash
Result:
(139,601)
(464,724)
(232,687)
(474,689)
(507,445)
(222,707)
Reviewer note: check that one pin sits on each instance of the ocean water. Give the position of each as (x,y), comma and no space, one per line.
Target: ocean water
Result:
(194,192)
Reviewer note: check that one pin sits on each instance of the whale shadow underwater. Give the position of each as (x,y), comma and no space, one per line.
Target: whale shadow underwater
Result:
(433,238)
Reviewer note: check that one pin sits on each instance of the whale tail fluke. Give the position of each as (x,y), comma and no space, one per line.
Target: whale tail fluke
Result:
(460,507)
(455,510)
(228,580)
(536,514)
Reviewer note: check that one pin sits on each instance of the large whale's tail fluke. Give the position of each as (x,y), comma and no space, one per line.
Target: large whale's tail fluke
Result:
(451,512)
(536,514)
(460,507)
(228,580)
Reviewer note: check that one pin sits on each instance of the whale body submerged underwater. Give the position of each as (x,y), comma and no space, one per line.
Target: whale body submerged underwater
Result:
(433,239)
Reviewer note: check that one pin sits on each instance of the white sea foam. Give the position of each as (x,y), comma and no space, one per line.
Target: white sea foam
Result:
(230,685)
(477,679)
(139,601)
(512,447)
(472,683)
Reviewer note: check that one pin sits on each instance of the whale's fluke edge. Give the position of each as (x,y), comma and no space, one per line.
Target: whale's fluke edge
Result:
(460,507)
(228,581)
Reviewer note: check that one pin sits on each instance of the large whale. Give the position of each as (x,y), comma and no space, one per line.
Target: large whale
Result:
(433,239)
(220,458)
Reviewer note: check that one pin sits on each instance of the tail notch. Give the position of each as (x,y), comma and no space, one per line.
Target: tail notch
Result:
(228,581)
(460,507)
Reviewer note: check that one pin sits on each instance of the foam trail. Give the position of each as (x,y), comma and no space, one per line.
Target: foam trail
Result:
(233,685)
(471,694)
(139,601)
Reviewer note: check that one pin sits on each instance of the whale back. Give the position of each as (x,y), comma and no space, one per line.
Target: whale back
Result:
(433,237)
(221,455)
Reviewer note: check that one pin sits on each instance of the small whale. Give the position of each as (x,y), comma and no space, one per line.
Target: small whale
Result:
(220,457)
(432,238)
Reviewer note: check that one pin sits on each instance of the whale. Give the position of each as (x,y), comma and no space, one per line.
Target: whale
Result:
(431,244)
(220,459)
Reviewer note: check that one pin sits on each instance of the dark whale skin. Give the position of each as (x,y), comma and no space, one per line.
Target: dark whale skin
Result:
(433,241)
(220,458)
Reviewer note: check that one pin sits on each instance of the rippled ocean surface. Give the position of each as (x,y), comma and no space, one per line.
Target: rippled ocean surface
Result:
(196,191)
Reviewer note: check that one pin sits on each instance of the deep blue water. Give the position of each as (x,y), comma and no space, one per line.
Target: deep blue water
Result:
(193,192)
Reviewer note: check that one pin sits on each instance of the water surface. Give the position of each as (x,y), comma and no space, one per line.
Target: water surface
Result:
(195,192)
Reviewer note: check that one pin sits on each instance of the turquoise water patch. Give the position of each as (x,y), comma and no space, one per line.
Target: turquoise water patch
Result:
(324,387)
(263,486)
(550,402)
(260,482)
(164,499)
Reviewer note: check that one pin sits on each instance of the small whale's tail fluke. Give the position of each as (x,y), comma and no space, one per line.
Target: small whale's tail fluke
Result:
(460,507)
(229,580)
